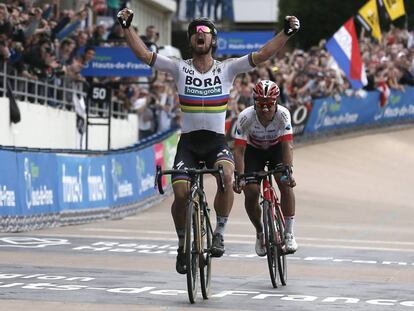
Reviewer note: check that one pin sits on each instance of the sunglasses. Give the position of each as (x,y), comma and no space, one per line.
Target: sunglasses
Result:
(201,28)
(265,103)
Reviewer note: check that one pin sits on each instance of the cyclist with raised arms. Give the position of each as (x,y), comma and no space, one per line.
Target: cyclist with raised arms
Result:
(264,134)
(203,85)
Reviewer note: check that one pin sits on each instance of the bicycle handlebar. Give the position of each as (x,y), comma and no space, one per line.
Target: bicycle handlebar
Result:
(286,170)
(189,171)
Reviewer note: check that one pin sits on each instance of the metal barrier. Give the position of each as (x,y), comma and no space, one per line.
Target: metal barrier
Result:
(58,91)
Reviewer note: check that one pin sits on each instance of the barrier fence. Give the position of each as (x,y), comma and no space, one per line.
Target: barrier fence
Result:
(41,189)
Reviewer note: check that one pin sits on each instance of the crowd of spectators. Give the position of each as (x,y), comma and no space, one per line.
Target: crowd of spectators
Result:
(47,43)
(307,75)
(50,44)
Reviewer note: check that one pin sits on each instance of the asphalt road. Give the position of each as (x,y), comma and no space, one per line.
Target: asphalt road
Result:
(354,227)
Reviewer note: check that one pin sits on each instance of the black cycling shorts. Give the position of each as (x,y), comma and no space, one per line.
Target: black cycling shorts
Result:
(197,146)
(255,160)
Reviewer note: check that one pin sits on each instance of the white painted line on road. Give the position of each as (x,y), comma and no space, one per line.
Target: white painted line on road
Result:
(249,241)
(250,236)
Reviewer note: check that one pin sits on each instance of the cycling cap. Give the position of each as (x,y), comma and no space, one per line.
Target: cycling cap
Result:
(266,89)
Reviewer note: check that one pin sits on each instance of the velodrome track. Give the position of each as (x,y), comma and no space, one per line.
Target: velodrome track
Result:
(355,218)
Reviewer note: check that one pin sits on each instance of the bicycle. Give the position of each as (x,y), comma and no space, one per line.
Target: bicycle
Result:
(273,222)
(198,231)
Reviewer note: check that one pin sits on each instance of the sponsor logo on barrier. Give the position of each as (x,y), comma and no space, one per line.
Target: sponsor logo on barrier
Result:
(35,196)
(146,182)
(390,112)
(120,188)
(299,118)
(97,185)
(324,119)
(72,186)
(7,197)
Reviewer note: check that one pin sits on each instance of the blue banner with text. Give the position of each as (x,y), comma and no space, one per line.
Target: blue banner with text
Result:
(116,62)
(241,42)
(8,184)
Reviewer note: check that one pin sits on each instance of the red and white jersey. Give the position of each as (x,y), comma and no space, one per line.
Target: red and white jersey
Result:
(250,131)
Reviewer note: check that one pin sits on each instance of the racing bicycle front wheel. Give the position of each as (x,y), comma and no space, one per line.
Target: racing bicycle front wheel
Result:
(271,249)
(191,250)
(281,255)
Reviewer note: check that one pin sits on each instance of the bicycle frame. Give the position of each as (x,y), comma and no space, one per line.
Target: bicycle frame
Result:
(198,229)
(269,194)
(273,222)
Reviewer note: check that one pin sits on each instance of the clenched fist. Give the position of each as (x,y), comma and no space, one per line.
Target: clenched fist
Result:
(125,17)
(292,25)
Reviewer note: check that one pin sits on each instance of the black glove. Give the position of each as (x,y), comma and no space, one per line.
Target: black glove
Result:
(125,18)
(292,25)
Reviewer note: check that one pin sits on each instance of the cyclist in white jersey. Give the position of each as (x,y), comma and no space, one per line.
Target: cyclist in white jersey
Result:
(264,134)
(203,85)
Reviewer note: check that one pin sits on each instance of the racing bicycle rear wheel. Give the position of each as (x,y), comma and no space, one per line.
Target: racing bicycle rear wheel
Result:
(205,256)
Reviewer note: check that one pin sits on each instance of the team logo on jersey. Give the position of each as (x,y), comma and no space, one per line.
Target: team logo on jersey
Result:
(205,87)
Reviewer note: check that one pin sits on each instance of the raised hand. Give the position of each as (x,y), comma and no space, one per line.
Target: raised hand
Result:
(125,17)
(292,25)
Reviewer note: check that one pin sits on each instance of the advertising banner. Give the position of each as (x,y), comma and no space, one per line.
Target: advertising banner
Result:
(123,178)
(82,182)
(116,62)
(241,42)
(399,106)
(38,193)
(330,114)
(145,171)
(9,204)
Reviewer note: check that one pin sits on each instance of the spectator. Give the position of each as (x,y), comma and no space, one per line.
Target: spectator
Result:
(146,114)
(150,38)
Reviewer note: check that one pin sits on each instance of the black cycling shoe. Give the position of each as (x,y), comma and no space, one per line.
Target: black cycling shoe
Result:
(181,265)
(217,248)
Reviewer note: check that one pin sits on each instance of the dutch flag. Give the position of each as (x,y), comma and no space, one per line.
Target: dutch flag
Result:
(344,48)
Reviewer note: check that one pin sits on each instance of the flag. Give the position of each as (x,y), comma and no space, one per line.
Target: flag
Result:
(368,17)
(344,48)
(385,92)
(395,8)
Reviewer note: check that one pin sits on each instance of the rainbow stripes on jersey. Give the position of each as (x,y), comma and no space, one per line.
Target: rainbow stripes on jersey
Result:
(213,104)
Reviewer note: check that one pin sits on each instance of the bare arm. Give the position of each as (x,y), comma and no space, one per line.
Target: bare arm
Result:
(238,152)
(138,46)
(273,46)
(134,41)
(270,48)
(287,152)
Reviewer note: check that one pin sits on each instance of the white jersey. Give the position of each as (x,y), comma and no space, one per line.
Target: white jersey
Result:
(250,131)
(203,96)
